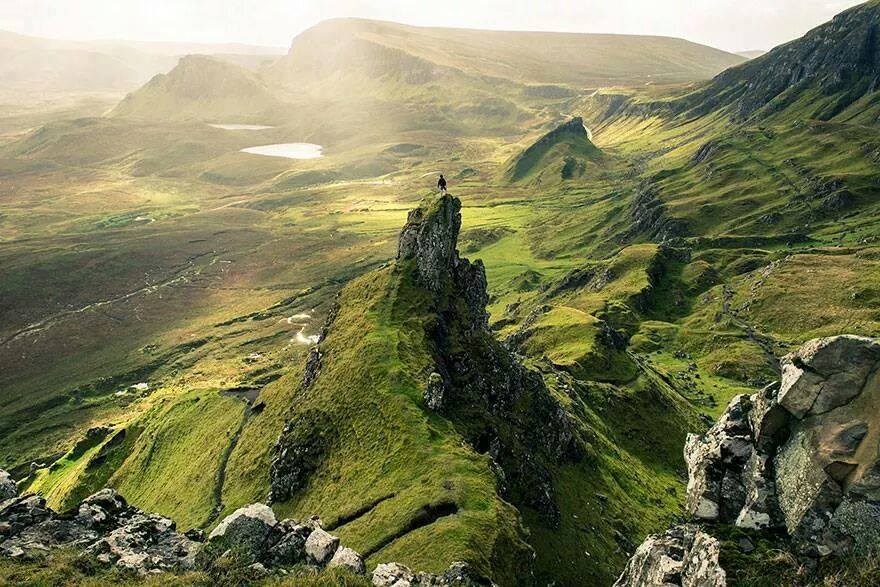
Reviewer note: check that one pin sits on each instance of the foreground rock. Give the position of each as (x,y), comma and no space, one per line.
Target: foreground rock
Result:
(804,455)
(396,575)
(683,556)
(106,527)
(103,525)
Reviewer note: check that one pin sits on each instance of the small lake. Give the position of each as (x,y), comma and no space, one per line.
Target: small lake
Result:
(287,150)
(240,126)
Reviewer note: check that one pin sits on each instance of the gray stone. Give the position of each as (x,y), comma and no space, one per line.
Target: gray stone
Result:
(435,392)
(826,373)
(291,548)
(103,525)
(392,575)
(429,237)
(716,461)
(8,488)
(251,528)
(320,546)
(684,556)
(347,558)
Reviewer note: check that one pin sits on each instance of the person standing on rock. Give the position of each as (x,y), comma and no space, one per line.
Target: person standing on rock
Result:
(441,184)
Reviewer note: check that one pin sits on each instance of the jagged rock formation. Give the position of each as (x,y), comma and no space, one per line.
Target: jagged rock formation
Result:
(103,525)
(477,375)
(683,556)
(499,406)
(806,456)
(802,455)
(650,217)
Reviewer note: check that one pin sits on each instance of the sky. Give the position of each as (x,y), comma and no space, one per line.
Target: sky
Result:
(734,25)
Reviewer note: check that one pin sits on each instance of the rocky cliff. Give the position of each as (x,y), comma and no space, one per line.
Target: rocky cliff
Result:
(801,456)
(840,58)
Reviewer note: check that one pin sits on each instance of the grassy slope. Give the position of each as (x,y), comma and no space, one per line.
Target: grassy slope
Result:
(385,447)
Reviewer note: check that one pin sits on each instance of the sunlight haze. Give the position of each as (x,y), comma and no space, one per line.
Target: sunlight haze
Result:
(733,25)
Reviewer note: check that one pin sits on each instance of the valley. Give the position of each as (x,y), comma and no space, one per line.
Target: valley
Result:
(658,222)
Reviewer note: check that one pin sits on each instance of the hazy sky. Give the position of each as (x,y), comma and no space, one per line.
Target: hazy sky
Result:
(734,25)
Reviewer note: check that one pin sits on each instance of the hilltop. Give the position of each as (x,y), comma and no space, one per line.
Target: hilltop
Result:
(34,66)
(831,73)
(202,88)
(574,59)
(562,154)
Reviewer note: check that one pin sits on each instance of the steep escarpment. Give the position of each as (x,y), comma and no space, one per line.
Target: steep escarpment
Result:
(414,493)
(832,68)
(500,407)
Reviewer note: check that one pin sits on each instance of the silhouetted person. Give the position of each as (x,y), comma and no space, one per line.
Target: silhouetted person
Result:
(441,183)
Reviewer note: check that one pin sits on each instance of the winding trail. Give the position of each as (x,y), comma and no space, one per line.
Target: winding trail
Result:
(46,323)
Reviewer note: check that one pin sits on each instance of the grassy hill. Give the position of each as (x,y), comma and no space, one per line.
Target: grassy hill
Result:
(577,60)
(564,153)
(33,67)
(201,88)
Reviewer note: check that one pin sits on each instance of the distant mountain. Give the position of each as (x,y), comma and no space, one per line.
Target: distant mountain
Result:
(831,72)
(353,77)
(34,64)
(200,88)
(582,60)
(562,154)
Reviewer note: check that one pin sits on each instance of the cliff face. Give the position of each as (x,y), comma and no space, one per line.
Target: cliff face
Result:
(840,58)
(500,407)
(798,459)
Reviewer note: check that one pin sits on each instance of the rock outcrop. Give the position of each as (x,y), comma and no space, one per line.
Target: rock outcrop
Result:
(840,57)
(103,525)
(476,382)
(684,556)
(109,529)
(804,454)
(458,574)
(477,375)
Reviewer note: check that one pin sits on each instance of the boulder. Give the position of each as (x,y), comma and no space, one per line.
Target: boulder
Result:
(831,460)
(435,392)
(320,546)
(291,547)
(103,525)
(347,558)
(716,489)
(251,528)
(459,574)
(826,373)
(683,556)
(392,575)
(8,488)
(146,543)
(22,512)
